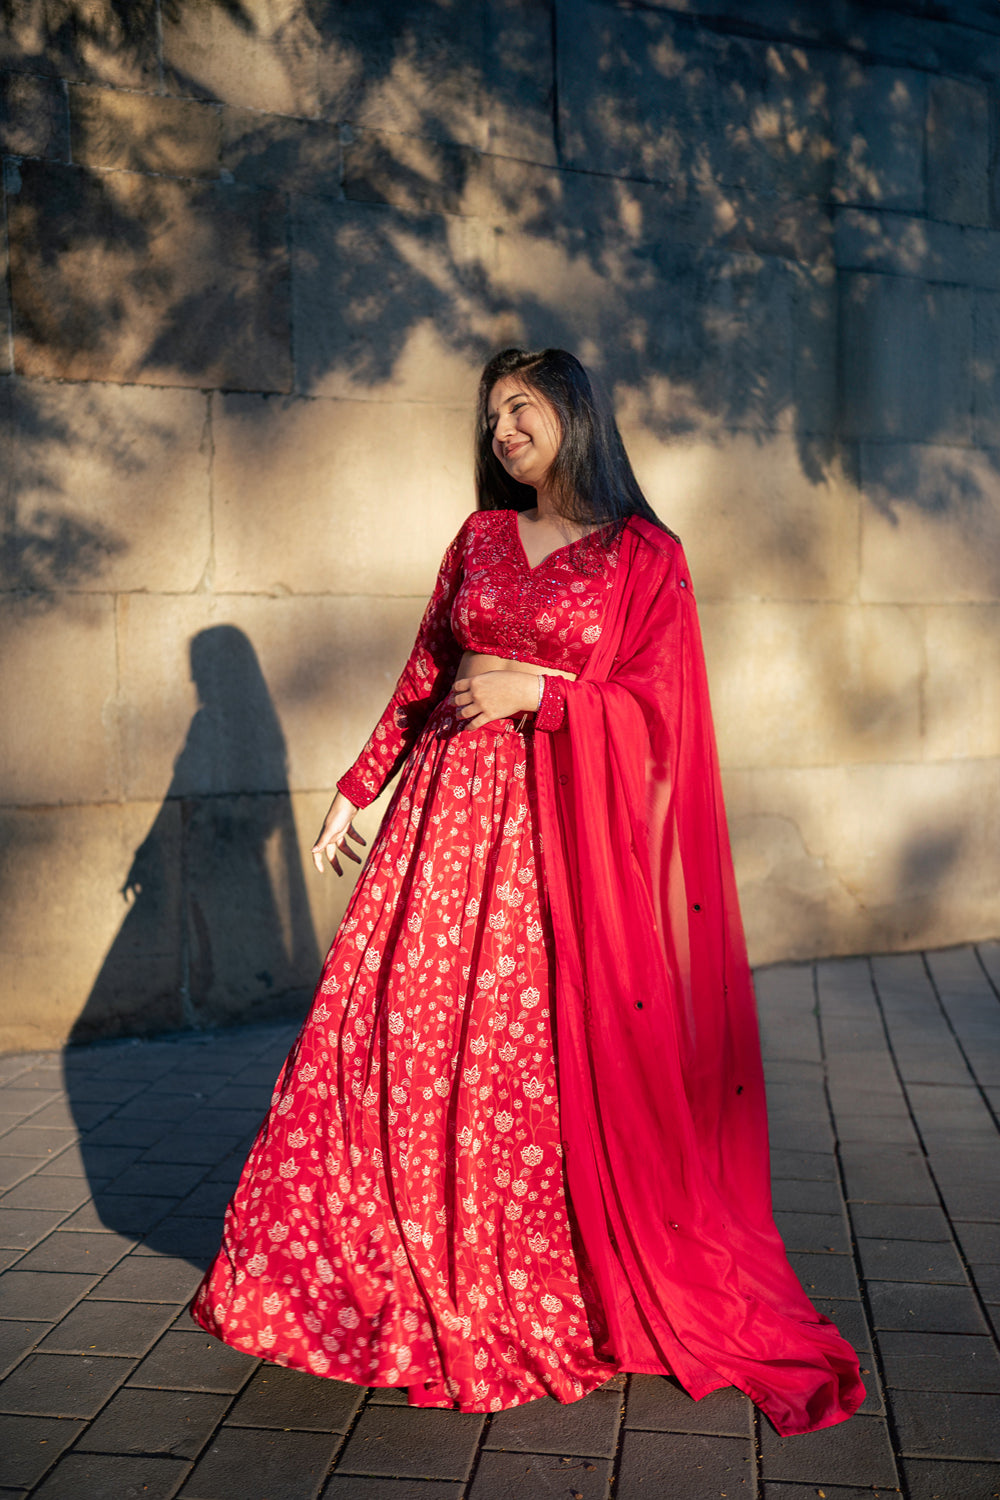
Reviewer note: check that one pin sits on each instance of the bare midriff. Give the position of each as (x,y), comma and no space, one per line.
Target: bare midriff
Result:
(475,662)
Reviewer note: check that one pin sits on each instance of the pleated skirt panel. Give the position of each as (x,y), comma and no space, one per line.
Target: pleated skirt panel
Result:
(402,1217)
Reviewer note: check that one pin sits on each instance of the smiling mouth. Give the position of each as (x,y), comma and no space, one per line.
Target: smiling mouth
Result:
(510,450)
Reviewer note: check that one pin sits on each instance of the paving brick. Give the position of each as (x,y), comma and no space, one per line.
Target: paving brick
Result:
(194,1361)
(87,1161)
(225,1121)
(121,1213)
(526,1476)
(96,1089)
(893,1221)
(987,1279)
(143,1421)
(935,1480)
(910,1260)
(779,1491)
(826,1275)
(30,1445)
(63,1193)
(183,1148)
(939,1361)
(979,1242)
(206,1202)
(794,1134)
(806,1197)
(877,1175)
(242,1464)
(144,1278)
(169,1108)
(882,1130)
(118,1132)
(15,1169)
(100,1476)
(922,1307)
(588,1427)
(293,1399)
(25,1141)
(129,1328)
(354,1487)
(686,1466)
(41,1294)
(411,1443)
(68,1250)
(195,1240)
(809,1231)
(17,1337)
(854,1452)
(972,1201)
(62,1115)
(657,1404)
(20,1228)
(803,1166)
(157,1181)
(17,1101)
(940,1424)
(849,1318)
(63,1385)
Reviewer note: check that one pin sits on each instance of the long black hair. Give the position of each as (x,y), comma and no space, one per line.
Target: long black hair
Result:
(592,476)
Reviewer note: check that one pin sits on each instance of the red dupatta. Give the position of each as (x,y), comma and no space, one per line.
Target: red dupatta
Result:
(661,1086)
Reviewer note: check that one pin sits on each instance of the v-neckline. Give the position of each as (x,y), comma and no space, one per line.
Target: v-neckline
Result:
(555,551)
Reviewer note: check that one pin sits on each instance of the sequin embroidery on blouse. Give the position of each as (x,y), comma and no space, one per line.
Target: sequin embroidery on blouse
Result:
(489,599)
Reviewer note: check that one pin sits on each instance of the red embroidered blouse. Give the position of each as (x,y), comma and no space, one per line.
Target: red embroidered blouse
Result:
(489,599)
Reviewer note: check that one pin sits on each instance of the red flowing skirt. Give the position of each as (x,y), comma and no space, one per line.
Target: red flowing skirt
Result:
(402,1215)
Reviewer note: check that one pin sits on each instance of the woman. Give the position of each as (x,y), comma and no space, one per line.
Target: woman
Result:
(431,1201)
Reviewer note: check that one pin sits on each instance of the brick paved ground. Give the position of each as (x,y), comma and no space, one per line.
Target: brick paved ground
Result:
(116,1162)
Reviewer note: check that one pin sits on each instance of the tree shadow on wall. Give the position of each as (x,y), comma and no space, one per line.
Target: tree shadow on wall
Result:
(218,927)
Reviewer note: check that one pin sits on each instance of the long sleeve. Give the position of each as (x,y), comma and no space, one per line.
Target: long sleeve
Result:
(424,681)
(552,708)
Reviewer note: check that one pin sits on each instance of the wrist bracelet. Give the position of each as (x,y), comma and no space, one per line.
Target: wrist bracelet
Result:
(541,690)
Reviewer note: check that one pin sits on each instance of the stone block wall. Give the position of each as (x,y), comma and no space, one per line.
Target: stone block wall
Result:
(254,255)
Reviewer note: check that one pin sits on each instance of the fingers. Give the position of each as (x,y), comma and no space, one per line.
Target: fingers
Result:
(331,846)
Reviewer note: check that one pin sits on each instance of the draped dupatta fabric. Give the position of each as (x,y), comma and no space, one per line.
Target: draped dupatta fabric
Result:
(661,1087)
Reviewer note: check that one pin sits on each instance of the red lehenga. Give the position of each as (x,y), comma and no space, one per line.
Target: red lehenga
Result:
(431,1201)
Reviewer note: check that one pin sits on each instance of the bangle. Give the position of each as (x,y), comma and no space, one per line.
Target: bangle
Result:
(541,690)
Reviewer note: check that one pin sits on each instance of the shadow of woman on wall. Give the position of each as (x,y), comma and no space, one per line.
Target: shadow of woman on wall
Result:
(218,931)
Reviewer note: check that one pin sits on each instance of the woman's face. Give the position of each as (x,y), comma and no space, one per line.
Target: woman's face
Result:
(526,430)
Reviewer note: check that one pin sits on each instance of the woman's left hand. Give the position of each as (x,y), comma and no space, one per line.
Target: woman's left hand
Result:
(494,695)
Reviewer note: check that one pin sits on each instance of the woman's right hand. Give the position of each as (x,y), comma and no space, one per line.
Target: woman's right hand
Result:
(337,827)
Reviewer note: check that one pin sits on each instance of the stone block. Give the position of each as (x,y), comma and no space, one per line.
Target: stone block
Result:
(930,524)
(22,1228)
(355,1487)
(412,1443)
(92,1254)
(633,101)
(265,56)
(754,525)
(286,1464)
(184,1361)
(63,1385)
(806,1196)
(412,67)
(124,1213)
(813,1232)
(174,1422)
(114,44)
(508,1476)
(166,283)
(306,493)
(879,135)
(116,131)
(390,305)
(413,173)
(986,369)
(124,965)
(286,155)
(59,669)
(909,1260)
(905,359)
(857,1453)
(291,1399)
(107,488)
(663,1463)
(128,1328)
(33,117)
(903,245)
(877,1175)
(933,1424)
(837,684)
(29,1446)
(927,1479)
(825,1275)
(958,151)
(588,1427)
(864,858)
(64,1193)
(962,684)
(519,79)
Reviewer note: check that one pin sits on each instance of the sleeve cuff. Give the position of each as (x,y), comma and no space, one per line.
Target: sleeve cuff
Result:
(355,790)
(552,709)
